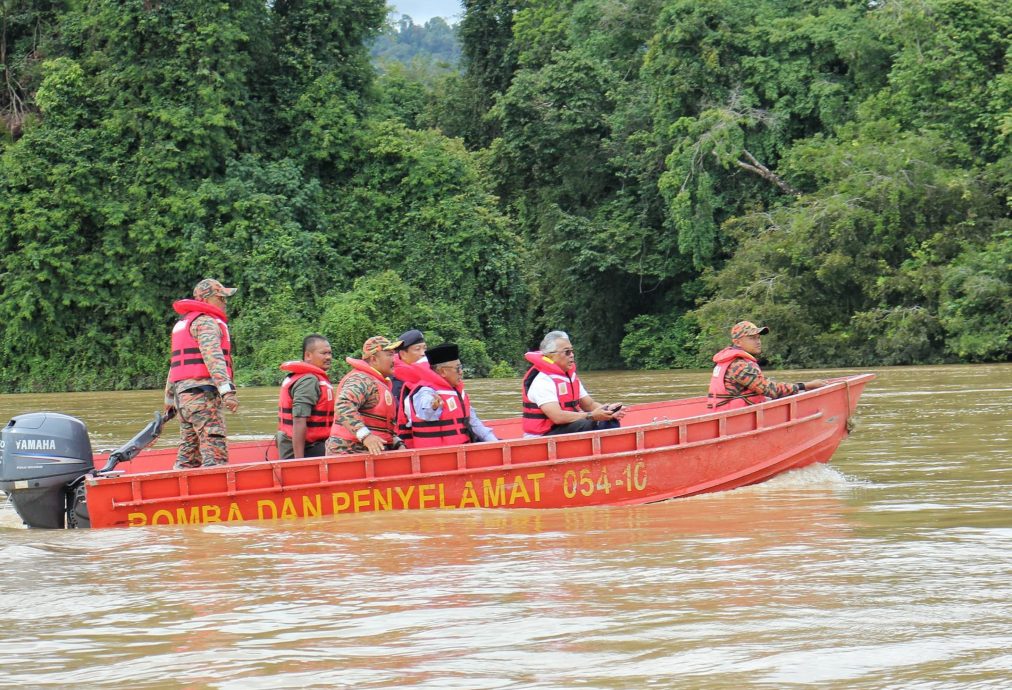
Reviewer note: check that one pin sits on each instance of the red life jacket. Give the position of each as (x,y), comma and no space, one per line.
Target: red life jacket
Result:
(567,387)
(321,417)
(379,419)
(450,429)
(186,361)
(718,395)
(408,375)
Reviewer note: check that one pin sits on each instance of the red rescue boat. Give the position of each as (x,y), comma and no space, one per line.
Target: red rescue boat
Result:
(663,450)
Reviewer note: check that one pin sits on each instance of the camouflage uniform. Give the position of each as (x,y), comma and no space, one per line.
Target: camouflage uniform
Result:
(360,391)
(744,378)
(201,423)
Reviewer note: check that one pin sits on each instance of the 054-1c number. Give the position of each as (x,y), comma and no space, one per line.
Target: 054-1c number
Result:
(632,478)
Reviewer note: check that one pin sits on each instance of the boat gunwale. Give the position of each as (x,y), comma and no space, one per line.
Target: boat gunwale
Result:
(281,488)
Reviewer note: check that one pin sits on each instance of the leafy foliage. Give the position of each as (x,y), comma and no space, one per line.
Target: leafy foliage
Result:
(640,173)
(823,166)
(244,141)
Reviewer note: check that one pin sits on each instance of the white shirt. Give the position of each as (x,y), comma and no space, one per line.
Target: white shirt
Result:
(542,390)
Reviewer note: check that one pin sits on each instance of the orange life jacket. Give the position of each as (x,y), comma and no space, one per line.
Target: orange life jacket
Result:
(567,387)
(406,377)
(718,395)
(451,428)
(379,419)
(321,417)
(186,361)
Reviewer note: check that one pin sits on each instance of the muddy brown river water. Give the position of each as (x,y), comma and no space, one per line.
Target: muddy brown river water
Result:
(889,568)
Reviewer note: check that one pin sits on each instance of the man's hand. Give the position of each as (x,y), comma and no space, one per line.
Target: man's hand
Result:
(617,410)
(231,402)
(601,414)
(168,411)
(817,383)
(373,444)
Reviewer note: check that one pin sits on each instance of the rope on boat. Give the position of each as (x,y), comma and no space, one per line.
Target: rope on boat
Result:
(850,418)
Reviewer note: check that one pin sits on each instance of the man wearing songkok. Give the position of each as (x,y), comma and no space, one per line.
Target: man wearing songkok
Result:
(442,414)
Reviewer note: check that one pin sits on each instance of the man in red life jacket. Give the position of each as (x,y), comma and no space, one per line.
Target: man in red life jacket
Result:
(200,375)
(411,352)
(306,402)
(409,361)
(441,411)
(364,409)
(737,380)
(555,401)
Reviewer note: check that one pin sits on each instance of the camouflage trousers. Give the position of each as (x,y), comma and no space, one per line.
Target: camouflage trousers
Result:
(202,427)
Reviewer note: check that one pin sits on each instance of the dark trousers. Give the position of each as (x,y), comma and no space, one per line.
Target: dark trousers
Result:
(583,425)
(316,449)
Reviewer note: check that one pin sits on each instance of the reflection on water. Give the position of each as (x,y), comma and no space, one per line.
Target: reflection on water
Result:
(889,568)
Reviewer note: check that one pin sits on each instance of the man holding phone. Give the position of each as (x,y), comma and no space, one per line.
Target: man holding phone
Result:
(555,401)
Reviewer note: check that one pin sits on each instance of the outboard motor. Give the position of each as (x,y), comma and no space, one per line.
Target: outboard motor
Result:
(44,458)
(41,453)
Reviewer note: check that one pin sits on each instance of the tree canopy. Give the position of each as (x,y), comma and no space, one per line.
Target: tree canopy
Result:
(641,173)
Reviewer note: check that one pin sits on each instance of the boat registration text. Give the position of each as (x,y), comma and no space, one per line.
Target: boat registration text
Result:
(518,491)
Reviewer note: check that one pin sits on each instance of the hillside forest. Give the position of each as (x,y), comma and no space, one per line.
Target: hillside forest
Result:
(639,173)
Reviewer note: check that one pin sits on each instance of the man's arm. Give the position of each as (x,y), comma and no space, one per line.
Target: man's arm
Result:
(543,394)
(305,395)
(208,336)
(170,397)
(355,394)
(482,432)
(592,411)
(613,410)
(299,436)
(358,392)
(427,404)
(750,378)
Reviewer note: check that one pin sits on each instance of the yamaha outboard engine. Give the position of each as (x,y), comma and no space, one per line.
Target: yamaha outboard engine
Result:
(41,453)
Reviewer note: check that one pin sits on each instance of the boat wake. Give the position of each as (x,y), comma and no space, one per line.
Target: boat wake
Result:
(815,477)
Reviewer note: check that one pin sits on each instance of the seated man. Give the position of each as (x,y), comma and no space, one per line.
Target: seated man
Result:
(738,381)
(441,412)
(306,402)
(555,402)
(410,353)
(364,409)
(409,360)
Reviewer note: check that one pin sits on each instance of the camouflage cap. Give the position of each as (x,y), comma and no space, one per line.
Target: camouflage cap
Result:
(210,286)
(744,328)
(377,343)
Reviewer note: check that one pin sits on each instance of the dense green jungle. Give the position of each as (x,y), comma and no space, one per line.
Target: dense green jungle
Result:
(640,173)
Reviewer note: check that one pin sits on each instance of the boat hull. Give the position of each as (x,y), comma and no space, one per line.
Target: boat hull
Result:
(663,451)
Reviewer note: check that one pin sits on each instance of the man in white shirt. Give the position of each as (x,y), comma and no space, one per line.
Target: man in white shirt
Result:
(555,401)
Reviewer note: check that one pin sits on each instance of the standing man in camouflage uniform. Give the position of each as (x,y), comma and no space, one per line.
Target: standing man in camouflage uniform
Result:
(200,375)
(738,381)
(364,408)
